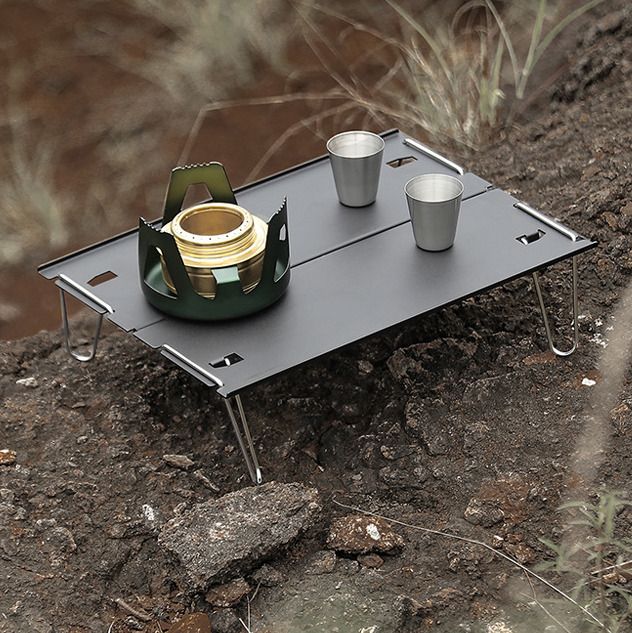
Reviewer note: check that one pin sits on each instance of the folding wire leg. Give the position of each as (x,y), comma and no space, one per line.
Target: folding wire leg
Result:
(82,358)
(247,447)
(547,327)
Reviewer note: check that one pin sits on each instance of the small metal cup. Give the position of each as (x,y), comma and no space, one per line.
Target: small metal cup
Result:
(356,159)
(434,201)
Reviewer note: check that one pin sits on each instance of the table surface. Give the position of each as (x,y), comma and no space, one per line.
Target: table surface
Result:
(355,272)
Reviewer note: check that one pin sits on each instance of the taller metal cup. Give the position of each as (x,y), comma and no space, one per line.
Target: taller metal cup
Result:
(434,201)
(356,159)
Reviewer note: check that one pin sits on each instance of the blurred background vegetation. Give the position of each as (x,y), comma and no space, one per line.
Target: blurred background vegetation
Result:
(101,99)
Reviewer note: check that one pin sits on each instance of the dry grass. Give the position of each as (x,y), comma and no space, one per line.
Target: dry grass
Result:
(454,77)
(447,76)
(32,209)
(212,47)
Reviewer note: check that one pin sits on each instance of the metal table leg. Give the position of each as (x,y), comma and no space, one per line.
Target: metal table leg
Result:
(249,453)
(547,327)
(244,438)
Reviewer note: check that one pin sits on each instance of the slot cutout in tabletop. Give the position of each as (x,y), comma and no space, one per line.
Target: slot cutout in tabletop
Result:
(227,361)
(400,162)
(101,278)
(531,237)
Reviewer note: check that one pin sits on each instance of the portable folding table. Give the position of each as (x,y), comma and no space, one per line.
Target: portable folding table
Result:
(354,273)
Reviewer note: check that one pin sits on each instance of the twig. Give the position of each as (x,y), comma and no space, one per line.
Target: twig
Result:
(618,567)
(141,615)
(506,557)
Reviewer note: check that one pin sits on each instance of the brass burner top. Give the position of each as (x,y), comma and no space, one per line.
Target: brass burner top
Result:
(216,235)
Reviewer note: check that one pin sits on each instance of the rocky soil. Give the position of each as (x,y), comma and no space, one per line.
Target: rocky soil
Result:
(116,474)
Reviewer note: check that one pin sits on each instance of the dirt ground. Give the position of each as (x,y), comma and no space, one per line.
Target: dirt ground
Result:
(462,409)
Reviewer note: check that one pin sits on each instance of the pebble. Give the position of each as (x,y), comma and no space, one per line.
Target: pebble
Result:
(225,621)
(371,561)
(228,594)
(205,481)
(268,576)
(484,513)
(322,563)
(27,382)
(360,534)
(7,457)
(179,461)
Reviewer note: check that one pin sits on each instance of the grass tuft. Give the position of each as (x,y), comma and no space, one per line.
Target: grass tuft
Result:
(449,77)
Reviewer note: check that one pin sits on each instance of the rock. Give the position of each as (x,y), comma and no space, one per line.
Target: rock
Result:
(225,537)
(521,552)
(409,472)
(205,481)
(192,623)
(7,457)
(27,382)
(483,513)
(268,576)
(225,621)
(410,608)
(430,421)
(133,624)
(360,534)
(418,363)
(322,563)
(371,561)
(229,594)
(178,461)
(6,495)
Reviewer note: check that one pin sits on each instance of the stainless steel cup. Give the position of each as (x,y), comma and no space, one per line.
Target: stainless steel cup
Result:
(434,201)
(356,159)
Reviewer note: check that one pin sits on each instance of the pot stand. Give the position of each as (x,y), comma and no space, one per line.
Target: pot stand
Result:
(355,272)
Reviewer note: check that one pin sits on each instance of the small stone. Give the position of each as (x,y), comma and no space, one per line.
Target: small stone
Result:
(360,534)
(205,481)
(192,623)
(483,513)
(229,594)
(371,561)
(7,457)
(268,576)
(6,495)
(521,552)
(133,624)
(365,367)
(82,439)
(27,382)
(178,461)
(225,621)
(627,209)
(322,563)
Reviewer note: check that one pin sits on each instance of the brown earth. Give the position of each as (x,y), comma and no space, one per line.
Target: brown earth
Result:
(459,422)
